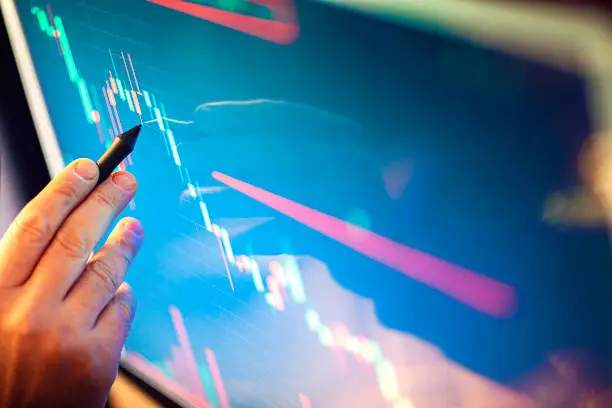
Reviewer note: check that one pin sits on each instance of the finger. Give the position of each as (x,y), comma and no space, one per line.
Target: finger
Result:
(65,258)
(596,167)
(115,321)
(34,227)
(105,272)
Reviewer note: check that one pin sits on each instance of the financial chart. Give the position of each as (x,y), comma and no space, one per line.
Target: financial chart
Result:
(339,211)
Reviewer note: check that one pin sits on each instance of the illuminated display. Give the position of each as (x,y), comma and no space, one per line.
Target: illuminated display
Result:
(294,212)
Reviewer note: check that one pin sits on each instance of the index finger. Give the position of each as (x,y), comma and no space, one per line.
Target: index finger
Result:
(596,166)
(34,227)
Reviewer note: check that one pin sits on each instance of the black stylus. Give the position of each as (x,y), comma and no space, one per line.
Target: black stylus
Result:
(118,151)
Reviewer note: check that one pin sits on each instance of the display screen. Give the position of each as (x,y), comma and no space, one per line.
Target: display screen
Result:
(340,211)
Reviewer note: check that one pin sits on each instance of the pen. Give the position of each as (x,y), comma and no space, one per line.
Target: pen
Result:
(118,151)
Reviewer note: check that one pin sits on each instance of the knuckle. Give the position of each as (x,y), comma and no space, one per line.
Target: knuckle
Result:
(106,198)
(104,273)
(126,258)
(126,249)
(34,224)
(125,308)
(68,192)
(126,305)
(75,242)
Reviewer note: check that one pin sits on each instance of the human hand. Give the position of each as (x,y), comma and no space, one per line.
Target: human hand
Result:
(64,318)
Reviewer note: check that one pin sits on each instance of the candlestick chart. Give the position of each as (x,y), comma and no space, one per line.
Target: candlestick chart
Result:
(243,293)
(282,284)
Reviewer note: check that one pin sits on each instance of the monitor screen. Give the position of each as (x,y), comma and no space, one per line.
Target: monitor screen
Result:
(340,210)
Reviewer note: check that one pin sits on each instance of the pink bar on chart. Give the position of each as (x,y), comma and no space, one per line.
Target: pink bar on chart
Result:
(127,71)
(111,97)
(274,288)
(217,380)
(136,103)
(179,366)
(277,31)
(304,401)
(134,72)
(118,120)
(191,367)
(110,111)
(113,83)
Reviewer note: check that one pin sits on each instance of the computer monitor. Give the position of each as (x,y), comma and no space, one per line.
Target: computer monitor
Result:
(347,204)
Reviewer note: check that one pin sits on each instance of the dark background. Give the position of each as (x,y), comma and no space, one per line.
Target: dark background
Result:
(22,162)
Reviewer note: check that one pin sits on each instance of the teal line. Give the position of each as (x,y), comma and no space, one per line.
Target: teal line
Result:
(82,86)
(209,386)
(120,88)
(188,176)
(147,99)
(164,116)
(167,145)
(129,101)
(153,99)
(73,73)
(68,57)
(113,62)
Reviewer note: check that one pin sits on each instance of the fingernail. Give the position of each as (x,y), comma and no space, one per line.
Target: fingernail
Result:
(124,180)
(86,169)
(135,228)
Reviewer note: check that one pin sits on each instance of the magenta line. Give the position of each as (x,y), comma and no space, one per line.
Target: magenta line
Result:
(477,291)
(191,367)
(217,380)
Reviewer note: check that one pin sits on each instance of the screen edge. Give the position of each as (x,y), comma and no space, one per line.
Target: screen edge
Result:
(31,85)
